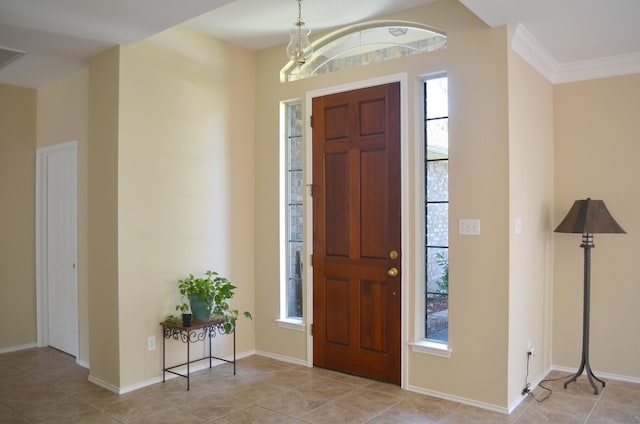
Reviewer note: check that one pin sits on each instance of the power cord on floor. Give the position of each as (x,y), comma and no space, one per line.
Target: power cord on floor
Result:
(543,387)
(527,387)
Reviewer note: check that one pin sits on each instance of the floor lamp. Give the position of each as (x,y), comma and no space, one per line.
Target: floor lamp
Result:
(587,217)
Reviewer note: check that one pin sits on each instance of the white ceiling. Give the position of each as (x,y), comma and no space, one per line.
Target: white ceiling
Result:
(554,35)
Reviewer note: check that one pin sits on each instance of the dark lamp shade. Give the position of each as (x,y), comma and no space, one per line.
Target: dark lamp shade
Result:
(589,217)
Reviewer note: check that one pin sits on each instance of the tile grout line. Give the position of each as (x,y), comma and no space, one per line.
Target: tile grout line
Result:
(522,413)
(595,404)
(382,412)
(9,406)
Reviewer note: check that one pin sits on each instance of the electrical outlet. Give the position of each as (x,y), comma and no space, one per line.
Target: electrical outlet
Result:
(531,351)
(151,343)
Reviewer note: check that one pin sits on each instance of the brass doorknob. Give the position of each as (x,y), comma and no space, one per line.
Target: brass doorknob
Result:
(392,272)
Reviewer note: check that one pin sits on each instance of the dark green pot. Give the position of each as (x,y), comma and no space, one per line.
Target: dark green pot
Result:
(200,310)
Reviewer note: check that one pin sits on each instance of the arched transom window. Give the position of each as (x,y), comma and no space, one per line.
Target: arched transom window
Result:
(363,44)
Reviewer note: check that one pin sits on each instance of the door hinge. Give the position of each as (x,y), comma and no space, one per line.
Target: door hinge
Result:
(312,329)
(311,121)
(311,260)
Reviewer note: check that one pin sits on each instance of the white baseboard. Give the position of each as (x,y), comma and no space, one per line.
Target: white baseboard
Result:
(470,402)
(195,367)
(99,382)
(18,348)
(617,377)
(281,358)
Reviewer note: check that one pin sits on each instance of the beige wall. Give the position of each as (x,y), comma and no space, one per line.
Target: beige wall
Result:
(17,217)
(104,309)
(476,62)
(63,110)
(185,185)
(530,202)
(596,150)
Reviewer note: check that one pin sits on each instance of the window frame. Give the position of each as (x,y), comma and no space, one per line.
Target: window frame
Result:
(284,320)
(421,344)
(293,71)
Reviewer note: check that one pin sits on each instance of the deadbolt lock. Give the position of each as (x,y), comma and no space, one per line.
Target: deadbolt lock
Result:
(393,254)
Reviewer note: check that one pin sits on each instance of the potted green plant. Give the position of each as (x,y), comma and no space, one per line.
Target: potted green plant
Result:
(209,296)
(187,317)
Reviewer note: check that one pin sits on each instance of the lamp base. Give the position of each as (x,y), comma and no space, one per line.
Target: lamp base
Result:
(584,366)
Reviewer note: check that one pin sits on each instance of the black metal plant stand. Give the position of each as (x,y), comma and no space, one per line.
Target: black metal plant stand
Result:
(587,244)
(198,331)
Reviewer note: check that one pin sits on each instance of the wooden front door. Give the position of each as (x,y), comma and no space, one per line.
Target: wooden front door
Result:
(356,234)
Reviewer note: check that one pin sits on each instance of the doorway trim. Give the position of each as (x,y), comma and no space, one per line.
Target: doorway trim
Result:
(402,78)
(42,283)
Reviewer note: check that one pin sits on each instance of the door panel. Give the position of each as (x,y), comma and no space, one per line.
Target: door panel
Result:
(62,297)
(337,326)
(337,205)
(373,229)
(356,207)
(372,300)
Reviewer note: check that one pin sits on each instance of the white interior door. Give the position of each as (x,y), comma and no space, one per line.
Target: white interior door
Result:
(60,249)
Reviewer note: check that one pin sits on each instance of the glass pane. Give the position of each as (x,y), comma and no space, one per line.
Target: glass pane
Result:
(437,98)
(437,295)
(438,139)
(295,120)
(295,222)
(437,270)
(438,181)
(294,283)
(438,224)
(295,152)
(295,186)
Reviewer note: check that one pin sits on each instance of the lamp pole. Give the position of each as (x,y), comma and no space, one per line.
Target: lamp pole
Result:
(587,244)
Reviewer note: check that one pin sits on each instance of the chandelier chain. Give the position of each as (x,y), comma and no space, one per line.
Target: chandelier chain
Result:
(300,23)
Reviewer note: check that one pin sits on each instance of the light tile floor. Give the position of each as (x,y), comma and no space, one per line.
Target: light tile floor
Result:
(46,386)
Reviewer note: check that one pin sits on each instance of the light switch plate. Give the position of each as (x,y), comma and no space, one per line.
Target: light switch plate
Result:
(469,227)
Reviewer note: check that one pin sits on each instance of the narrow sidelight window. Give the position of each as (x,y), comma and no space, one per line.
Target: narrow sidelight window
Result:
(436,136)
(294,224)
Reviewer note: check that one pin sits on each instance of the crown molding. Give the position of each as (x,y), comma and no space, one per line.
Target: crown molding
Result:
(598,68)
(525,45)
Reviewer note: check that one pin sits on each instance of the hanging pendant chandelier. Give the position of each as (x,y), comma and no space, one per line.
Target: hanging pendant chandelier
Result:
(299,48)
